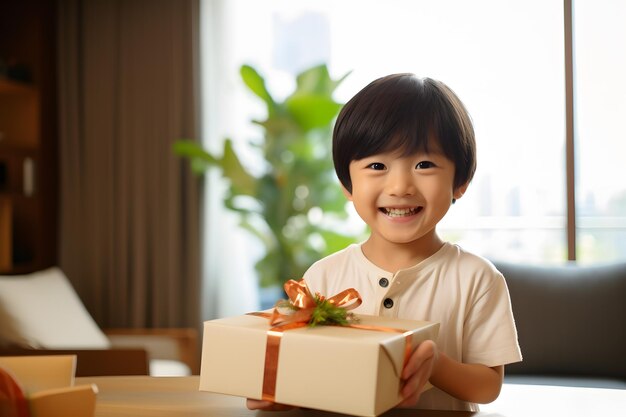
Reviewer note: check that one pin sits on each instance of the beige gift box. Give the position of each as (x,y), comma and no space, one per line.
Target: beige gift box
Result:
(332,368)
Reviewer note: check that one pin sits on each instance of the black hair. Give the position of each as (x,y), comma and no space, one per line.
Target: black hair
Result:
(401,112)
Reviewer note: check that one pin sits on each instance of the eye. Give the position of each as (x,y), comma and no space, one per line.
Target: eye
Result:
(424,165)
(377,166)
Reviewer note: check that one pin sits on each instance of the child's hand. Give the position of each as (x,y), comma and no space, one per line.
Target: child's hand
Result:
(417,372)
(266,405)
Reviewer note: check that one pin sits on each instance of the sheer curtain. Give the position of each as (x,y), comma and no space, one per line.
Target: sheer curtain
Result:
(229,253)
(129,222)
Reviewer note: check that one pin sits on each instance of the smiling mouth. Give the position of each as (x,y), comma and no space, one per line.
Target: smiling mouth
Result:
(400,212)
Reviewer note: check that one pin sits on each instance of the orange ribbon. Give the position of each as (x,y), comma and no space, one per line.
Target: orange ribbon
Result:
(305,303)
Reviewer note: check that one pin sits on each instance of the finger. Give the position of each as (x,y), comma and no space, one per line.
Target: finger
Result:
(258,404)
(266,405)
(417,373)
(410,401)
(423,352)
(416,382)
(412,391)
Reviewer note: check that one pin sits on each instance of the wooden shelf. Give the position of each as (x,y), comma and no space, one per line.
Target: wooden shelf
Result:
(6,234)
(8,86)
(19,169)
(28,138)
(19,115)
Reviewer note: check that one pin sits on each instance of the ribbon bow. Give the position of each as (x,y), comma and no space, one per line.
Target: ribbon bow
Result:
(313,310)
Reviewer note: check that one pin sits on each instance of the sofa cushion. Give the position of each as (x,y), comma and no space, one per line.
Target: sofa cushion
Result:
(167,367)
(571,319)
(42,310)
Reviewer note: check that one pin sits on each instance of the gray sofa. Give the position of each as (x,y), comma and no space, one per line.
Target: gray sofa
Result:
(571,323)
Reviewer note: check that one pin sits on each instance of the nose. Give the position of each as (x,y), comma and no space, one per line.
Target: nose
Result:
(400,183)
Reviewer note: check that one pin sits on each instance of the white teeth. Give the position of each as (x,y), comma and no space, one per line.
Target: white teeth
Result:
(396,212)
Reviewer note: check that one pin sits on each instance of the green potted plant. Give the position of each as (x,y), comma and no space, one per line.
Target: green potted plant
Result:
(282,206)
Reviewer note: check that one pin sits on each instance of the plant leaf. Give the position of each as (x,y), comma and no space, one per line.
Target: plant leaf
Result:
(317,80)
(256,84)
(241,181)
(199,158)
(312,111)
(340,80)
(192,149)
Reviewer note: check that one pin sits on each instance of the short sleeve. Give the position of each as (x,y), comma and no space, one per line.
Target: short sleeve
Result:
(490,336)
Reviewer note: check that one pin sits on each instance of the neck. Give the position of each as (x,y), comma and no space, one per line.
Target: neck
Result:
(393,257)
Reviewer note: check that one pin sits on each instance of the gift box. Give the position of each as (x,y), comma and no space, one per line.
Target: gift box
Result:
(351,369)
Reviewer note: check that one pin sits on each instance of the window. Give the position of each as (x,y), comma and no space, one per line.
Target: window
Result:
(505,60)
(600,139)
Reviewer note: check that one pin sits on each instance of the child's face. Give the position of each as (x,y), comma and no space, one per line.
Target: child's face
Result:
(402,198)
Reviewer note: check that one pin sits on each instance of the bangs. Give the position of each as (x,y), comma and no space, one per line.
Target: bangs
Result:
(404,140)
(402,119)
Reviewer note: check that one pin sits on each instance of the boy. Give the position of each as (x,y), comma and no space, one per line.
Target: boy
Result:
(404,151)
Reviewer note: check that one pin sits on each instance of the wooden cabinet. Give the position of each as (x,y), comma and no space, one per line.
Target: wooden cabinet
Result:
(6,233)
(28,136)
(20,203)
(19,115)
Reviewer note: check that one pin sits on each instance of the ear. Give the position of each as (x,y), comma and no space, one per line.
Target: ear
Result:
(347,193)
(460,190)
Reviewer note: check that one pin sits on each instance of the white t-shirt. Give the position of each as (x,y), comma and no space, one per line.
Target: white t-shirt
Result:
(465,293)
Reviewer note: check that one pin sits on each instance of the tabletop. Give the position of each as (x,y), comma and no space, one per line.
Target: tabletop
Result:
(180,397)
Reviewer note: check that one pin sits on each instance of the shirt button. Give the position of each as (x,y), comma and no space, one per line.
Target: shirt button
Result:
(383,282)
(388,303)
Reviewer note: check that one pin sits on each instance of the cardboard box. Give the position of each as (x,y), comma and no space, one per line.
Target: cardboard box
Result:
(332,368)
(46,383)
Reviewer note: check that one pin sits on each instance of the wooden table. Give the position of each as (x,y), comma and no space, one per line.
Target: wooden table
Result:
(179,397)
